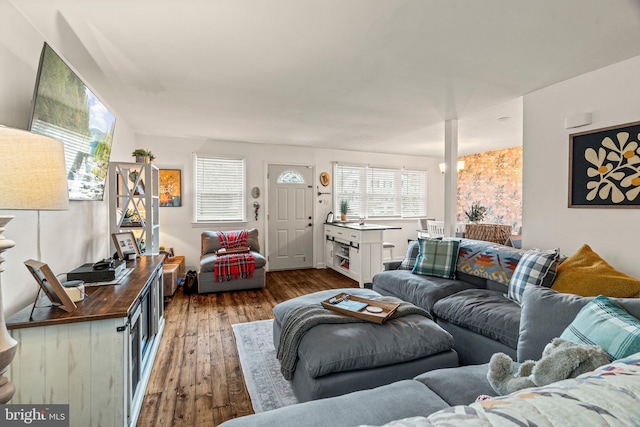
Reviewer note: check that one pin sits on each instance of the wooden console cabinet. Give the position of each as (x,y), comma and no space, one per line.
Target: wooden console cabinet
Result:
(98,357)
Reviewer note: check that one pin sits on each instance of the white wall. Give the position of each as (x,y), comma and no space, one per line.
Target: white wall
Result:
(69,238)
(611,94)
(177,231)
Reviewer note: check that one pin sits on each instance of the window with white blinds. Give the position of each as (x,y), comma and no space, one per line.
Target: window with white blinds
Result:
(379,192)
(220,189)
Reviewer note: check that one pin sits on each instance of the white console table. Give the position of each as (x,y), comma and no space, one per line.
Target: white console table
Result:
(354,250)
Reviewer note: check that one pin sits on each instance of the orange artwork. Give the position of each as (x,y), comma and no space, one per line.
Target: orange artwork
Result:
(493,179)
(170,187)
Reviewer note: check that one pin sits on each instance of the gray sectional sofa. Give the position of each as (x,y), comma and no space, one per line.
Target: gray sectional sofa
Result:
(473,306)
(544,315)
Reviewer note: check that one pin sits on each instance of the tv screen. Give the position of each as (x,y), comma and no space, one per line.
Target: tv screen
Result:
(65,109)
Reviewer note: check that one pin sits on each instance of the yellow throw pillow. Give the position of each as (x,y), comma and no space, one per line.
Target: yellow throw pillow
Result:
(585,273)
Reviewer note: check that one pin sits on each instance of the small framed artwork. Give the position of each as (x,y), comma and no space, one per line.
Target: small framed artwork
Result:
(50,284)
(604,167)
(125,244)
(170,187)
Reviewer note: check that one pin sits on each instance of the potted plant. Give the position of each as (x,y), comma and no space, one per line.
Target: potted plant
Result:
(344,208)
(476,213)
(142,155)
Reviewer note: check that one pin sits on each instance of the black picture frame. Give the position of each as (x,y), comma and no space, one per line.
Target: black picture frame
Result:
(604,167)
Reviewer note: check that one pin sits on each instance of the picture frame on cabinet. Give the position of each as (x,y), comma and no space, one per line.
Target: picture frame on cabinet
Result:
(126,244)
(50,285)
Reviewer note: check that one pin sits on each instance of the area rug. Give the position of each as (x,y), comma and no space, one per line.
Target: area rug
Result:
(267,387)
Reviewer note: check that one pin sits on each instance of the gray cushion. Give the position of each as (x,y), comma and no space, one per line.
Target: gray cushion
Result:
(485,312)
(347,347)
(207,261)
(377,406)
(458,386)
(409,260)
(546,313)
(422,291)
(210,243)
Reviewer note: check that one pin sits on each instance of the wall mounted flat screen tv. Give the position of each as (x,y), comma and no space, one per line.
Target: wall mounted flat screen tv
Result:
(64,108)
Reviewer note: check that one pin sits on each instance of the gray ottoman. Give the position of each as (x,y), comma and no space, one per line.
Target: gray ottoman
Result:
(340,358)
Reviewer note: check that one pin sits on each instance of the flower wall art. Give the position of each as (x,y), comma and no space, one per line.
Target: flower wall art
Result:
(170,187)
(604,167)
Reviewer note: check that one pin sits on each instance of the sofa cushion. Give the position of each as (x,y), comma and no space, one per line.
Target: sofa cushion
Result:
(332,348)
(422,291)
(488,260)
(485,312)
(210,243)
(458,386)
(586,273)
(207,261)
(409,260)
(376,406)
(546,313)
(604,323)
(536,268)
(437,257)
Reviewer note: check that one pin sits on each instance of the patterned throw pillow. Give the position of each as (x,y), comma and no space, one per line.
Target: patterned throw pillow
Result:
(488,260)
(437,258)
(409,260)
(537,268)
(604,323)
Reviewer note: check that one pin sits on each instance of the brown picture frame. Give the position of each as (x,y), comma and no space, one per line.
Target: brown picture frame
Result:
(604,168)
(125,242)
(50,284)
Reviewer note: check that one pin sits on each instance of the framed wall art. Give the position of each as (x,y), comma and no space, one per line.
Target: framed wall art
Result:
(604,167)
(170,187)
(50,284)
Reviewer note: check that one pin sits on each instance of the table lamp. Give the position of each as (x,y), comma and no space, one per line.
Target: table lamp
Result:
(32,177)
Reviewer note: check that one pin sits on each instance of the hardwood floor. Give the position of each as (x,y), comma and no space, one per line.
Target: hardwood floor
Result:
(196,379)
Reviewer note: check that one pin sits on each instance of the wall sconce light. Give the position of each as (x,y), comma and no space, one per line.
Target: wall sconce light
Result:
(459,166)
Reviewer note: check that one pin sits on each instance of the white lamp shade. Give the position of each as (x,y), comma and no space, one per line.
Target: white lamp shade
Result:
(32,172)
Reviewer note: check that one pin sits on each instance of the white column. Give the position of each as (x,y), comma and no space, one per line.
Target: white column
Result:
(450,176)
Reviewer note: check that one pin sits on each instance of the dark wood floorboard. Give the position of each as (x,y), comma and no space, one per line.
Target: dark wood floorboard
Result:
(197,379)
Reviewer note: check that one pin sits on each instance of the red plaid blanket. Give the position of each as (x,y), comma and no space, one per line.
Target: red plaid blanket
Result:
(233,266)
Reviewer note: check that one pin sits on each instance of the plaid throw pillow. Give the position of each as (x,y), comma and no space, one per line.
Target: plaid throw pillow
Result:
(537,268)
(437,258)
(604,323)
(409,260)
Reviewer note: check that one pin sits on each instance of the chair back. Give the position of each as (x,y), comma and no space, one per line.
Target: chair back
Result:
(435,228)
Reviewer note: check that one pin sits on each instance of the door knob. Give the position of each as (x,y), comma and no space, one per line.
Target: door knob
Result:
(310,224)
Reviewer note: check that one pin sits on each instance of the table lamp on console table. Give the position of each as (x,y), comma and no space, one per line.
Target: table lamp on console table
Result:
(32,177)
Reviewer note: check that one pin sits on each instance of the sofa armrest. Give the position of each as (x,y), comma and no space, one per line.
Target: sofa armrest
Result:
(392,265)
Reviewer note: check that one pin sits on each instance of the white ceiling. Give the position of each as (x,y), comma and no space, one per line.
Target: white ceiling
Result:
(367,75)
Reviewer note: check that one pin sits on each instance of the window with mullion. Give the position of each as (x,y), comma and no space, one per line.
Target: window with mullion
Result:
(383,193)
(219,189)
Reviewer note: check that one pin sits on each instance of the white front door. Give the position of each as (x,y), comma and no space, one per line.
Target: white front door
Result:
(290,240)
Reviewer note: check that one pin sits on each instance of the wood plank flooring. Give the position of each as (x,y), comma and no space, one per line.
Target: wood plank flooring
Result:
(196,378)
